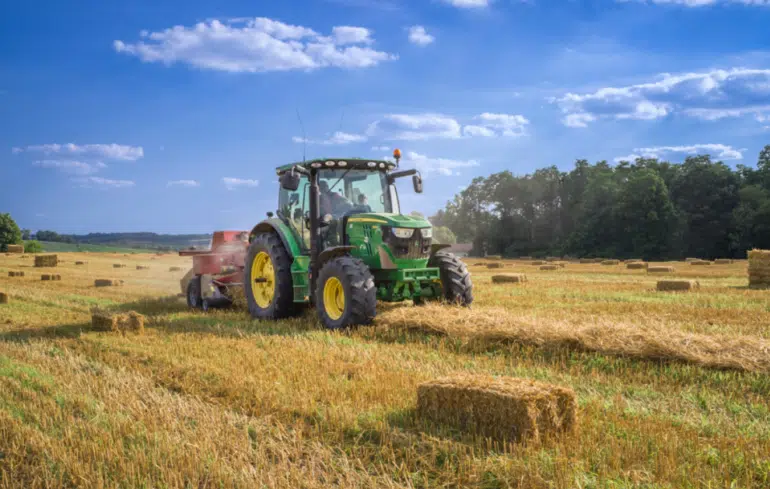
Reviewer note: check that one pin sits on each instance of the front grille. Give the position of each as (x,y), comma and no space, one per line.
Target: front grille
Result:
(412,248)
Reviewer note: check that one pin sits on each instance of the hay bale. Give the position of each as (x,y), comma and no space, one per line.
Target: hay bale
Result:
(102,320)
(45,276)
(700,263)
(550,267)
(46,260)
(660,269)
(503,408)
(15,248)
(759,268)
(610,262)
(107,282)
(15,274)
(142,267)
(636,265)
(175,269)
(80,262)
(479,264)
(688,260)
(495,265)
(118,265)
(537,263)
(3,298)
(586,261)
(133,321)
(509,278)
(677,285)
(723,261)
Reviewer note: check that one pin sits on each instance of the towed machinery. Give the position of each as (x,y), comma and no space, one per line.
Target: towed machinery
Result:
(338,241)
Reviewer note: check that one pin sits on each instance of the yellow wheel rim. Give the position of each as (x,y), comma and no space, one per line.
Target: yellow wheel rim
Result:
(262,280)
(334,298)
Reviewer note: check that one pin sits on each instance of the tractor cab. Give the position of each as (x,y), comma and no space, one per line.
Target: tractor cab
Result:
(340,242)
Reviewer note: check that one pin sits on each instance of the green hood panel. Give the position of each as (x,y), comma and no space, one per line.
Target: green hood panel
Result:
(394,220)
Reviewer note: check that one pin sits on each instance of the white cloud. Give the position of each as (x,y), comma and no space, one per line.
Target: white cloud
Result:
(441,166)
(256,45)
(335,139)
(104,182)
(233,183)
(469,3)
(410,127)
(720,151)
(183,183)
(700,3)
(73,167)
(707,95)
(418,35)
(108,151)
(380,148)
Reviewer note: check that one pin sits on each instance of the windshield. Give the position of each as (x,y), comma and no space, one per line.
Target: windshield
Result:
(360,190)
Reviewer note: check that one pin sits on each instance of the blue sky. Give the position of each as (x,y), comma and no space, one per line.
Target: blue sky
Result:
(171,116)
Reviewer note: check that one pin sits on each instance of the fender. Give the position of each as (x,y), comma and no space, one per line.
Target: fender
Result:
(333,252)
(283,231)
(435,248)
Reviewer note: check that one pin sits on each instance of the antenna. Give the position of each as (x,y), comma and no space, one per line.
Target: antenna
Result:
(304,136)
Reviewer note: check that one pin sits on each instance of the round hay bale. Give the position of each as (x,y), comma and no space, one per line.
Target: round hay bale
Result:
(660,269)
(509,278)
(549,267)
(610,262)
(3,298)
(677,285)
(495,265)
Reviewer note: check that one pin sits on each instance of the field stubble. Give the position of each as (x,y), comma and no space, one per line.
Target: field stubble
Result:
(218,400)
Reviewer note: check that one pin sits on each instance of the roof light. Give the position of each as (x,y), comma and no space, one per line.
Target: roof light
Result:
(330,163)
(342,163)
(316,165)
(397,153)
(371,164)
(382,165)
(391,166)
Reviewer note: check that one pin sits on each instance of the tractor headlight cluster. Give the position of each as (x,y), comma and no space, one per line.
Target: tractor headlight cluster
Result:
(427,232)
(403,233)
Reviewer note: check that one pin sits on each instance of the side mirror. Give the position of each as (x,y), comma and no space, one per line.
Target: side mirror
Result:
(290,181)
(417,182)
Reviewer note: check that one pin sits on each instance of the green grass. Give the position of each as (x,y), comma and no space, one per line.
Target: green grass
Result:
(53,247)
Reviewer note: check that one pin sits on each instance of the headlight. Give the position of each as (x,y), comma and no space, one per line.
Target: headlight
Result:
(427,232)
(403,233)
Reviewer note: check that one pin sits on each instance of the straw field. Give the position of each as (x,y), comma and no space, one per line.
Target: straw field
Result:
(671,389)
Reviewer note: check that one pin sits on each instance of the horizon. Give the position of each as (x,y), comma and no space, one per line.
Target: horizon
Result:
(171,118)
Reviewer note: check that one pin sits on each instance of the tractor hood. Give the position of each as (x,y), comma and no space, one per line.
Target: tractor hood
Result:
(394,220)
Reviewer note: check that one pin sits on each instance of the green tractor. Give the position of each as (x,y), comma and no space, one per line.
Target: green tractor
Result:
(338,241)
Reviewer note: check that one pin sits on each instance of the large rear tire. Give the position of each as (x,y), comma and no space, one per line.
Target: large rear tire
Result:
(194,293)
(456,282)
(345,293)
(267,283)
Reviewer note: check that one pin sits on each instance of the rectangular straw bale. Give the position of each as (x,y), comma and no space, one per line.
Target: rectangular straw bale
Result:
(3,298)
(175,269)
(15,274)
(509,278)
(688,260)
(660,269)
(759,268)
(80,262)
(723,261)
(103,320)
(637,265)
(15,248)
(107,282)
(537,263)
(495,265)
(700,263)
(133,321)
(118,265)
(46,260)
(142,267)
(550,267)
(45,276)
(503,408)
(668,285)
(610,262)
(552,258)
(479,264)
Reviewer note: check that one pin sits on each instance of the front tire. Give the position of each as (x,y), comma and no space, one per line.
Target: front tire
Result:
(194,293)
(345,293)
(455,278)
(267,283)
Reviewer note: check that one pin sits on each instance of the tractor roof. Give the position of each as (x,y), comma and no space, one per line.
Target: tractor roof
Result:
(336,163)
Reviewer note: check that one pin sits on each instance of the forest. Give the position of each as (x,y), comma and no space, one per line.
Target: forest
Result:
(648,209)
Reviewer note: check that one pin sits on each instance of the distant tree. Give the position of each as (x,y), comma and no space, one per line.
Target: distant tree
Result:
(33,247)
(417,214)
(9,232)
(47,235)
(26,234)
(443,235)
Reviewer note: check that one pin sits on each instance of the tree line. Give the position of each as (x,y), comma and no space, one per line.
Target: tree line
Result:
(649,209)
